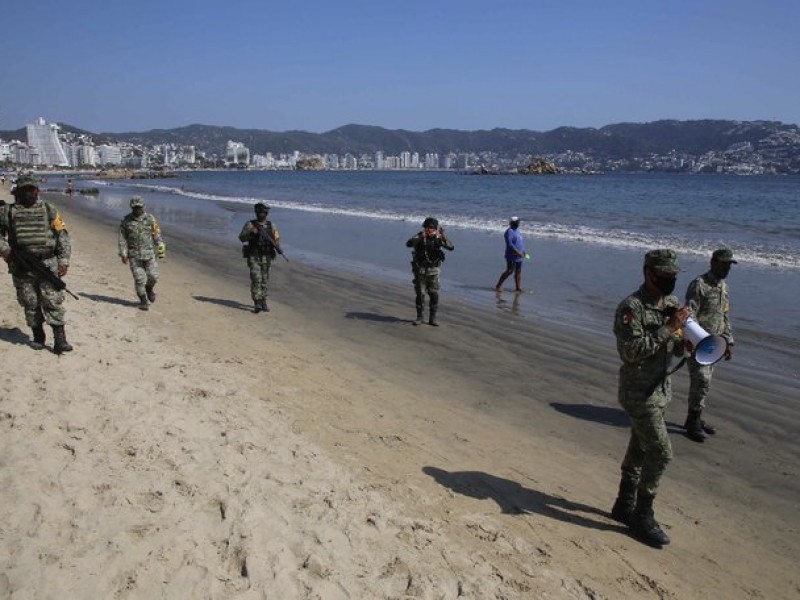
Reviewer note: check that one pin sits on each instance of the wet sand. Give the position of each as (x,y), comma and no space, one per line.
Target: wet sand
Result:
(331,449)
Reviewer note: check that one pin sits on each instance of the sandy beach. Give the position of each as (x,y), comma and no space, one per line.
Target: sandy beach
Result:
(328,449)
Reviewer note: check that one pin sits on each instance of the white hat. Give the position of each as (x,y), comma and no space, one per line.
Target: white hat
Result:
(514,219)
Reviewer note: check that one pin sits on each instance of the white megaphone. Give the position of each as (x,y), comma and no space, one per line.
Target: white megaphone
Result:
(708,349)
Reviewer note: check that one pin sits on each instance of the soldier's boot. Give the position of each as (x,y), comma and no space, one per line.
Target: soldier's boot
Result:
(39,337)
(264,306)
(60,343)
(643,523)
(707,428)
(626,500)
(420,312)
(150,292)
(256,306)
(434,308)
(143,304)
(694,427)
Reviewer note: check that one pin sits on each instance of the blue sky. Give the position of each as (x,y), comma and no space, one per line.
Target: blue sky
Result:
(314,66)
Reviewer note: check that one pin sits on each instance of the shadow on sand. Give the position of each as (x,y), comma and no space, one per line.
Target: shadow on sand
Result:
(605,415)
(14,335)
(225,302)
(365,316)
(108,299)
(513,499)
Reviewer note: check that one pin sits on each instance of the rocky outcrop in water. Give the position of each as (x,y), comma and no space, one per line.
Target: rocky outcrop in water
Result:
(539,166)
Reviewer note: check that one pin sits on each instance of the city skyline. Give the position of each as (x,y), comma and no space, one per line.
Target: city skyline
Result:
(467,65)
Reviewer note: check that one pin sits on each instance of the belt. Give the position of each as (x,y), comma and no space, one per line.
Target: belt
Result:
(41,254)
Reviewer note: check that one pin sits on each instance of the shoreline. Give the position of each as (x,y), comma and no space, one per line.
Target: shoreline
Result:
(491,441)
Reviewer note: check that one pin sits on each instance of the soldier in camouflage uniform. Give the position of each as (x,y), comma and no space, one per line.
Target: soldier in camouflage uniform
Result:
(261,245)
(707,299)
(646,326)
(35,226)
(140,247)
(426,261)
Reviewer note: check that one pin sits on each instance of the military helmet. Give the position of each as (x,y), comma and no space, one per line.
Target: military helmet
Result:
(430,222)
(260,207)
(137,201)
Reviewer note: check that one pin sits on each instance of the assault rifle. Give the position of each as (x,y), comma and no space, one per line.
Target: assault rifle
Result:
(266,239)
(32,263)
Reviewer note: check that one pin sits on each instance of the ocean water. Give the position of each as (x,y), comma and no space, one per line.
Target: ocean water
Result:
(586,235)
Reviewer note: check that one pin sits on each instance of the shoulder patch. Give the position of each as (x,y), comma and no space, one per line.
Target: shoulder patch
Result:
(57,223)
(627,316)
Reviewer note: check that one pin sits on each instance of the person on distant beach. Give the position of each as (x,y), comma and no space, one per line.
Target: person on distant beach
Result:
(426,261)
(646,326)
(70,187)
(707,299)
(36,227)
(515,254)
(140,247)
(261,245)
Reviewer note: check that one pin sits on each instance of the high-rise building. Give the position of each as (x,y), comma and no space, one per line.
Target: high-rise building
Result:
(237,153)
(44,137)
(108,155)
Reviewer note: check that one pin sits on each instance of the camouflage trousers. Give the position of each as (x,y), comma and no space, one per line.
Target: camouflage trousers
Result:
(145,273)
(259,276)
(426,280)
(39,299)
(649,449)
(699,384)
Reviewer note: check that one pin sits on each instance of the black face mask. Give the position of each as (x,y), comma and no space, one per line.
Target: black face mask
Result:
(721,270)
(665,285)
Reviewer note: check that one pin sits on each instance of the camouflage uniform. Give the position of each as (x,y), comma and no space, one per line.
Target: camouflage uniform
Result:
(39,230)
(426,261)
(707,298)
(260,251)
(646,347)
(646,343)
(140,241)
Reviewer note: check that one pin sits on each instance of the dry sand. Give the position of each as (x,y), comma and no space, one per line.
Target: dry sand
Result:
(328,449)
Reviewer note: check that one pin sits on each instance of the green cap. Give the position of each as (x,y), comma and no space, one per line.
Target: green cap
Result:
(724,255)
(137,201)
(26,181)
(663,260)
(260,207)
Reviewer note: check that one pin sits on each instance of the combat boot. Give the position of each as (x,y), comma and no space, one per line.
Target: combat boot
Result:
(643,524)
(420,316)
(143,304)
(694,427)
(707,427)
(256,306)
(264,306)
(626,500)
(39,337)
(60,343)
(151,293)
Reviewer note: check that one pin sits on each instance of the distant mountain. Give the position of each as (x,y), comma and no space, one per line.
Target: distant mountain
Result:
(618,141)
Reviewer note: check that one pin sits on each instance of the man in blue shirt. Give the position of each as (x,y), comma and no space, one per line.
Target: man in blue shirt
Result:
(515,253)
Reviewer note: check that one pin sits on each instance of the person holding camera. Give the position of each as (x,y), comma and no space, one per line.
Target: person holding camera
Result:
(647,327)
(426,262)
(261,245)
